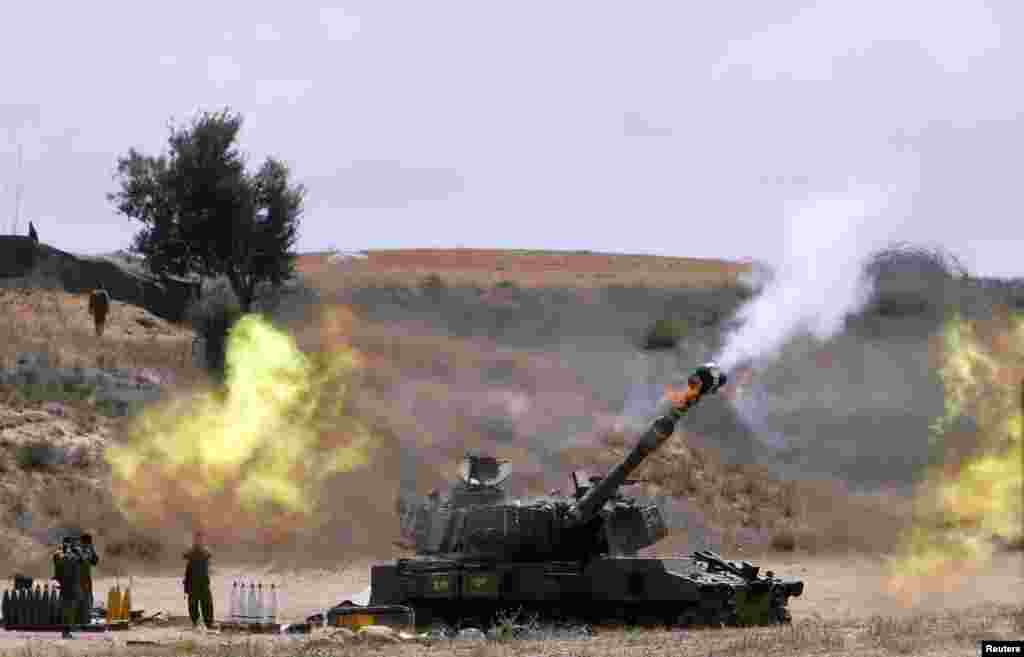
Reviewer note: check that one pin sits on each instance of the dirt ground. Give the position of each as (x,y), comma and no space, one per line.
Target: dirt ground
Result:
(846,595)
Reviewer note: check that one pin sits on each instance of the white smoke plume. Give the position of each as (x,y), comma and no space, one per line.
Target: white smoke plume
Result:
(818,279)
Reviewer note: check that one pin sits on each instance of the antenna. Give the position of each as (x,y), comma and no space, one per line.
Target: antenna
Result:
(18,190)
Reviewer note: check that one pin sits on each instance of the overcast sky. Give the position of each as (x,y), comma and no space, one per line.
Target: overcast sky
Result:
(678,128)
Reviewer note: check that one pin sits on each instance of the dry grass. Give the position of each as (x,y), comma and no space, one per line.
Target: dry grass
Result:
(531,269)
(944,633)
(937,635)
(53,472)
(57,324)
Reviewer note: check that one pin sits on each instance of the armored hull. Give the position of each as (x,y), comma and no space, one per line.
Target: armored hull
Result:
(684,592)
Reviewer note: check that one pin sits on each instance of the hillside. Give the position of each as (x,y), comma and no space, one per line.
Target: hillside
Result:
(831,440)
(26,264)
(53,434)
(524,268)
(535,357)
(56,324)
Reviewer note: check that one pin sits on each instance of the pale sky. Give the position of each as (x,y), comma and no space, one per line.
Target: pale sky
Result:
(676,128)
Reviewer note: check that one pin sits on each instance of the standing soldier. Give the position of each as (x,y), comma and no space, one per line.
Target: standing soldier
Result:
(99,304)
(89,559)
(67,573)
(197,582)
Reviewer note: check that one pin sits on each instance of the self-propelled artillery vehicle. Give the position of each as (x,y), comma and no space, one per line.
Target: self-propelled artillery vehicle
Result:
(574,556)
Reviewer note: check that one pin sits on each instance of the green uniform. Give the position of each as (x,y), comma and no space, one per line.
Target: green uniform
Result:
(99,305)
(86,602)
(67,572)
(197,585)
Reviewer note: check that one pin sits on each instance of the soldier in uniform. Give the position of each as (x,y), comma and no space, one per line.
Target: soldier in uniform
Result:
(99,305)
(197,582)
(89,560)
(66,570)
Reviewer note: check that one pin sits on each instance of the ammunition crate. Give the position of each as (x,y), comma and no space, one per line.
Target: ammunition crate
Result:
(398,617)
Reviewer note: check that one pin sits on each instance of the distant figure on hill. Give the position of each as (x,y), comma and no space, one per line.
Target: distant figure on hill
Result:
(32,234)
(99,305)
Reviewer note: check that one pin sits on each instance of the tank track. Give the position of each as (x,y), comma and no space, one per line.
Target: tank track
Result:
(708,613)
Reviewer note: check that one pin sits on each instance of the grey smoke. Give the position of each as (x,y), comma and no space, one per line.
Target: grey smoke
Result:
(819,278)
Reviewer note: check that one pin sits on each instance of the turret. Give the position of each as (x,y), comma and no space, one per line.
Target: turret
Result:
(480,481)
(706,379)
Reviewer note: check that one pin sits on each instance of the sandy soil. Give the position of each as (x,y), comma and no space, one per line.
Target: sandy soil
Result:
(302,594)
(849,589)
(844,591)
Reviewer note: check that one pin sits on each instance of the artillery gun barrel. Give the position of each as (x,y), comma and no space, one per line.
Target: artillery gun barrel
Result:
(706,379)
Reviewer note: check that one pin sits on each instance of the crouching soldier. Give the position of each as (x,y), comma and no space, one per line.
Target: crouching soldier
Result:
(197,582)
